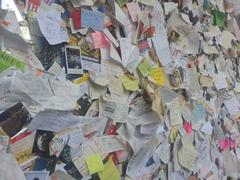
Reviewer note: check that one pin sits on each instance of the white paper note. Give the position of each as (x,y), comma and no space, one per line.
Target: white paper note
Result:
(51,120)
(161,45)
(50,26)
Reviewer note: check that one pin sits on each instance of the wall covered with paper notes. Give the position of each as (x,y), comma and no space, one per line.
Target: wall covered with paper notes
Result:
(119,89)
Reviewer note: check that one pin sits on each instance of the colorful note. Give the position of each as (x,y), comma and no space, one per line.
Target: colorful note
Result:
(198,113)
(100,40)
(145,68)
(34,5)
(219,18)
(188,127)
(7,61)
(129,82)
(121,2)
(92,19)
(94,163)
(227,143)
(173,134)
(110,171)
(159,76)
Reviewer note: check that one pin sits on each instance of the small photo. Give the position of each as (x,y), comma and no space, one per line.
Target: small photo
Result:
(73,60)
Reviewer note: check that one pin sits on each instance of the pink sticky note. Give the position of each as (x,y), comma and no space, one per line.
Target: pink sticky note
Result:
(100,40)
(188,127)
(133,10)
(224,143)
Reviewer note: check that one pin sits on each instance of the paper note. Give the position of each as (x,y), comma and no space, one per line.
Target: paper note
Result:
(175,113)
(91,148)
(187,156)
(116,111)
(137,162)
(114,54)
(99,40)
(10,22)
(129,82)
(56,146)
(161,45)
(55,69)
(50,26)
(9,168)
(148,118)
(94,163)
(206,81)
(110,171)
(22,145)
(226,39)
(40,175)
(133,10)
(7,61)
(93,19)
(198,113)
(219,17)
(227,143)
(169,6)
(232,106)
(145,68)
(110,37)
(91,64)
(77,3)
(126,50)
(150,129)
(121,2)
(29,58)
(120,15)
(12,40)
(188,127)
(51,120)
(159,76)
(220,81)
(111,143)
(148,2)
(207,128)
(34,5)
(3,143)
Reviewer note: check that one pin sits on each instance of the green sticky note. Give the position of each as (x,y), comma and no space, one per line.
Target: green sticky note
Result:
(94,163)
(218,18)
(7,61)
(145,68)
(121,2)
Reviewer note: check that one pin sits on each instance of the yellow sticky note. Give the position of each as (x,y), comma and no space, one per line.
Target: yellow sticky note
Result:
(159,76)
(110,171)
(173,135)
(94,163)
(129,82)
(82,79)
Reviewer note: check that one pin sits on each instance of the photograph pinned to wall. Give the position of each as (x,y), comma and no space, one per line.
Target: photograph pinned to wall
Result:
(91,61)
(22,6)
(73,60)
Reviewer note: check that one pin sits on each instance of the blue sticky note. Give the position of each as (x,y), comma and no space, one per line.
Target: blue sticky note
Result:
(93,19)
(198,113)
(101,8)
